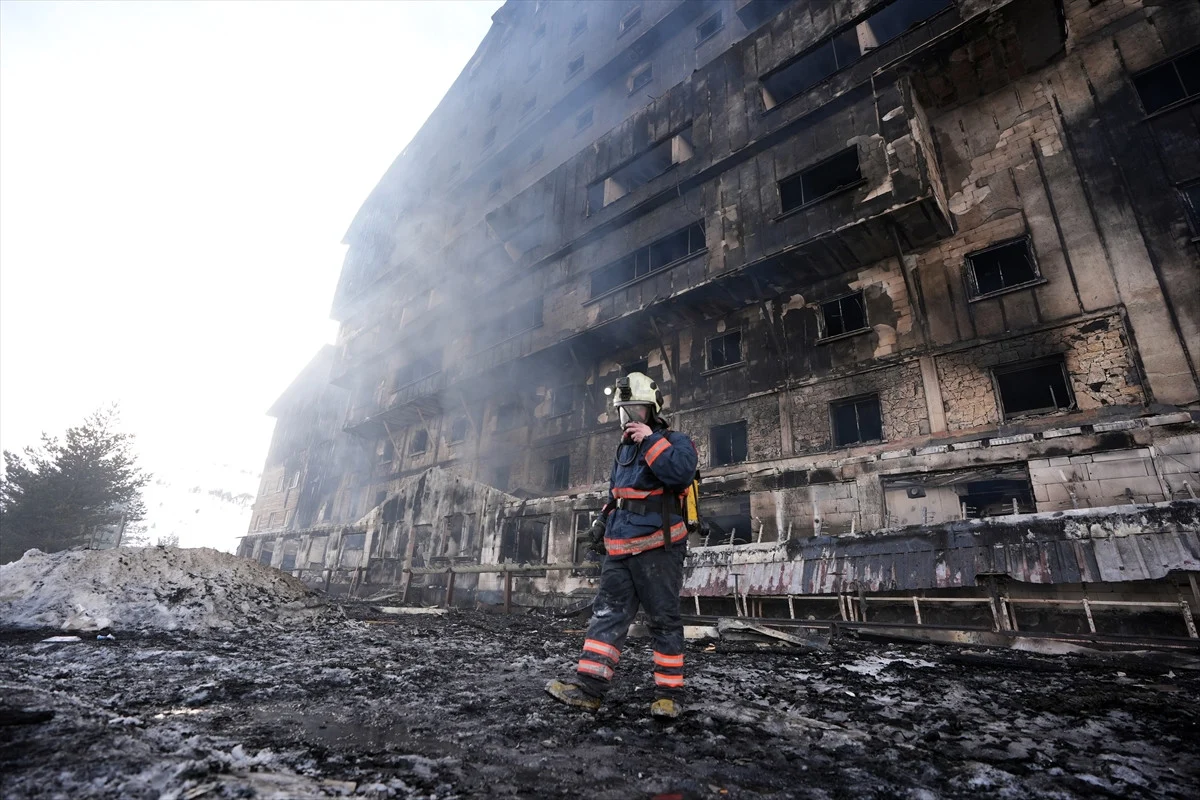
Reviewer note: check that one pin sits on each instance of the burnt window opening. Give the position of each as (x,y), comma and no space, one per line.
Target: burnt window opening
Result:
(508,417)
(729,519)
(265,554)
(629,20)
(489,138)
(709,28)
(494,105)
(820,180)
(856,421)
(524,540)
(1003,266)
(1040,388)
(388,454)
(583,121)
(644,168)
(537,154)
(417,369)
(641,365)
(558,473)
(641,78)
(725,350)
(419,443)
(295,480)
(657,255)
(1191,205)
(316,550)
(580,554)
(843,315)
(494,187)
(458,430)
(1169,83)
(574,67)
(380,497)
(728,443)
(578,27)
(501,477)
(845,48)
(562,400)
(931,498)
(528,105)
(515,322)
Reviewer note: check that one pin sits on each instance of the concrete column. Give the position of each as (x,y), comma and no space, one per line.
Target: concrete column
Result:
(933,395)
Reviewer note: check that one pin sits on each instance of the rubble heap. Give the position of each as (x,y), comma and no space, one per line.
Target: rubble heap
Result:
(159,588)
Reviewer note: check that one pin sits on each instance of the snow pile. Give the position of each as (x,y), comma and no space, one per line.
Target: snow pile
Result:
(163,588)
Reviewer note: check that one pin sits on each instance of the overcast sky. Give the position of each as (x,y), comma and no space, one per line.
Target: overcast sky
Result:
(175,181)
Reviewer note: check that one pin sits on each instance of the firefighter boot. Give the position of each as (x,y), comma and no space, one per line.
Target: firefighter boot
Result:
(665,708)
(572,694)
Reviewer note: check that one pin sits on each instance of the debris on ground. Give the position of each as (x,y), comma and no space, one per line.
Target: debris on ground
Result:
(151,588)
(453,706)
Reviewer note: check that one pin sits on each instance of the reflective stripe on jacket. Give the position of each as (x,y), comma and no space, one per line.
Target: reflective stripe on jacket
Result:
(665,462)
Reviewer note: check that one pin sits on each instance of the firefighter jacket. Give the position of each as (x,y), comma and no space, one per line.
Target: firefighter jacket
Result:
(664,463)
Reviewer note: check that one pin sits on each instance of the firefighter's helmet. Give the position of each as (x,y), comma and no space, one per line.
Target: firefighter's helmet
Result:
(636,389)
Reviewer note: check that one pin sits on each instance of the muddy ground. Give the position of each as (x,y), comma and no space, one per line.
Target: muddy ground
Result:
(453,706)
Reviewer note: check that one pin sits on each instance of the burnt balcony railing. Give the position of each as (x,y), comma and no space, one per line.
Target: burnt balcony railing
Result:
(399,408)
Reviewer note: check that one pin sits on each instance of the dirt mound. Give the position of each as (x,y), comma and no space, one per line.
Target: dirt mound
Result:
(161,588)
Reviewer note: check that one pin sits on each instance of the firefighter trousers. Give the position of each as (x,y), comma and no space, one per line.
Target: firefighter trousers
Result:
(652,581)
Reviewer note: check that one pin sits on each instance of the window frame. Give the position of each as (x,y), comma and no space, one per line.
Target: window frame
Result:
(413,440)
(1028,366)
(553,467)
(578,27)
(800,173)
(453,424)
(580,125)
(1185,100)
(624,26)
(717,15)
(557,392)
(824,325)
(644,69)
(855,400)
(571,73)
(972,279)
(708,342)
(595,296)
(712,443)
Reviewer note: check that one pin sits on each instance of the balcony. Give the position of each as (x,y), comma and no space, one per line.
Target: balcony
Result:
(408,405)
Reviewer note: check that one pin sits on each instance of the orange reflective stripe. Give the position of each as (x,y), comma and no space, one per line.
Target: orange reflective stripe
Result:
(628,547)
(664,660)
(602,649)
(594,668)
(629,493)
(668,680)
(657,450)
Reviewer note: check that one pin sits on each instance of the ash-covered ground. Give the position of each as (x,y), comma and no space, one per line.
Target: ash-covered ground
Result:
(453,707)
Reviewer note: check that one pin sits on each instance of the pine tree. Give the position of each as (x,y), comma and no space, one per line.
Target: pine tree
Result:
(53,497)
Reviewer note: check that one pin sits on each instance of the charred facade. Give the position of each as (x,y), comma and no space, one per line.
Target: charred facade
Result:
(909,263)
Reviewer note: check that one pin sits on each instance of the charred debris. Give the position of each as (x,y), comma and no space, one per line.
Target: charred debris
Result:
(918,277)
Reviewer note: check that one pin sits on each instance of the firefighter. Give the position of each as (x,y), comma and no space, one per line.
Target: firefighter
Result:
(642,532)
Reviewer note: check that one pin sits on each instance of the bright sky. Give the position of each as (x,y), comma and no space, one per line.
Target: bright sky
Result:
(175,181)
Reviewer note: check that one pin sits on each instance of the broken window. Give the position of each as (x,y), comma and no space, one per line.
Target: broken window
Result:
(458,430)
(266,553)
(641,365)
(820,180)
(856,420)
(709,28)
(420,367)
(1169,83)
(583,121)
(725,350)
(931,498)
(288,563)
(562,400)
(380,497)
(489,138)
(523,540)
(352,549)
(641,77)
(580,554)
(1037,389)
(655,256)
(387,453)
(629,20)
(728,443)
(574,67)
(559,473)
(419,443)
(1002,266)
(501,476)
(846,47)
(316,551)
(515,322)
(728,519)
(843,315)
(458,535)
(641,170)
(508,417)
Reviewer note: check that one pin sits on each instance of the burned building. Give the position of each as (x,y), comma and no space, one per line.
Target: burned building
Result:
(902,267)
